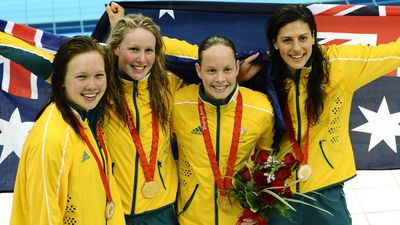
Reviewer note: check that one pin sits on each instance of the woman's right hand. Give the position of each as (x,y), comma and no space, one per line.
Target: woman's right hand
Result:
(115,12)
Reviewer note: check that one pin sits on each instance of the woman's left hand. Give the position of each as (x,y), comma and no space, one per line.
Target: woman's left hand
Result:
(115,12)
(248,69)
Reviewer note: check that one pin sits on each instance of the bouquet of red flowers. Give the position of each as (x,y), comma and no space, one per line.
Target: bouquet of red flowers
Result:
(262,187)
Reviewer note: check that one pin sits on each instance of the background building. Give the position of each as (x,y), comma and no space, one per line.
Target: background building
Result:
(69,17)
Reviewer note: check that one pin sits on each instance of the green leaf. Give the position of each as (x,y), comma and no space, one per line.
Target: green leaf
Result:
(279,198)
(250,185)
(252,200)
(305,203)
(304,195)
(238,184)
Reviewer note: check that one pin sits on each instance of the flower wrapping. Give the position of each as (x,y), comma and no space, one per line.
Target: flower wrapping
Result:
(261,186)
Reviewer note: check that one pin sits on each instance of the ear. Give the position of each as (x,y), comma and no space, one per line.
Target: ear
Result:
(275,45)
(198,70)
(116,50)
(237,67)
(313,38)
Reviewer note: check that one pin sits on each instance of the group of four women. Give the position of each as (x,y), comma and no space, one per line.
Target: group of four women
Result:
(100,152)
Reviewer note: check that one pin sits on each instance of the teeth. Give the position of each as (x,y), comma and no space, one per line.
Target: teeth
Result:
(297,56)
(90,95)
(219,87)
(138,67)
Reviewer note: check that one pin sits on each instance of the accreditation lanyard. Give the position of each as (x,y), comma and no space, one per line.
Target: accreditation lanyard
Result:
(302,157)
(225,185)
(148,167)
(103,172)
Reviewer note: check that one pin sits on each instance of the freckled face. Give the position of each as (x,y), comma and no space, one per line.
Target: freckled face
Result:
(136,53)
(218,71)
(85,81)
(294,41)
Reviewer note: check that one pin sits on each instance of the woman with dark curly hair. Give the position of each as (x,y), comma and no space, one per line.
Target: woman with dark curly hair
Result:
(315,86)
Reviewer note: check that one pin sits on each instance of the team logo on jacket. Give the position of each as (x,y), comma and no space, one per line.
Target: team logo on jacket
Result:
(197,131)
(85,157)
(242,138)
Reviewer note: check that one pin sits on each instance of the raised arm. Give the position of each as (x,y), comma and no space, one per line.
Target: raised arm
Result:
(114,12)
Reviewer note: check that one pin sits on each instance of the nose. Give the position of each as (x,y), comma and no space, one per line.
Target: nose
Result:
(141,56)
(296,45)
(91,83)
(220,77)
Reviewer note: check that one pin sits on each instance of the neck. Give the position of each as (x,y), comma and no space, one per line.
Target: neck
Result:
(217,102)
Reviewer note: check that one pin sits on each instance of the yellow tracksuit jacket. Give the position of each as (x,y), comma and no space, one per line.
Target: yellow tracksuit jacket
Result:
(58,180)
(197,189)
(127,168)
(330,150)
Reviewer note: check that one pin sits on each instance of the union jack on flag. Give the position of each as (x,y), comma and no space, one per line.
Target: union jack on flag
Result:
(16,79)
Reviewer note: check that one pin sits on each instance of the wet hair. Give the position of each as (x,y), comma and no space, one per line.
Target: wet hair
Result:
(319,72)
(158,80)
(68,50)
(212,41)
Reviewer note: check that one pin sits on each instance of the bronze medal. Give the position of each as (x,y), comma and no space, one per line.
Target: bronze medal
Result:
(224,203)
(110,209)
(150,189)
(304,172)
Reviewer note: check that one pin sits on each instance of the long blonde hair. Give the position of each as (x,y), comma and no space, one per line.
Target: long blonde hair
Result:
(158,82)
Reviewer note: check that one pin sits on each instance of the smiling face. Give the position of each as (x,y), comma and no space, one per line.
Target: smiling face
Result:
(136,53)
(85,80)
(218,71)
(295,41)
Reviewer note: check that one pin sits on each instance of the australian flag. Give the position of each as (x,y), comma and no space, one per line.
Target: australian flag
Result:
(23,52)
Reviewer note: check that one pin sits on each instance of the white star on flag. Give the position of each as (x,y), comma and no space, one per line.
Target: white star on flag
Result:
(13,134)
(166,11)
(382,126)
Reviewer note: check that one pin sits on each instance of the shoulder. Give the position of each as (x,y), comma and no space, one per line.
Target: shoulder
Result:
(256,100)
(172,77)
(49,135)
(187,93)
(51,125)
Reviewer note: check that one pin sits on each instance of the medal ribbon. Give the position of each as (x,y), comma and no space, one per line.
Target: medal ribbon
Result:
(103,174)
(148,167)
(301,157)
(224,185)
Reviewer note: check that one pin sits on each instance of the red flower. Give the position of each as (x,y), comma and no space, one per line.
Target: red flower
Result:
(262,157)
(289,160)
(246,174)
(268,199)
(283,173)
(280,184)
(249,216)
(260,180)
(287,193)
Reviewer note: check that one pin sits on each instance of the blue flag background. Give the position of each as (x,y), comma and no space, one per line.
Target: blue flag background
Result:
(22,93)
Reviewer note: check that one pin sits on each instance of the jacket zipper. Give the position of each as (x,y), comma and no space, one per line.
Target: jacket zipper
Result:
(135,178)
(297,84)
(217,148)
